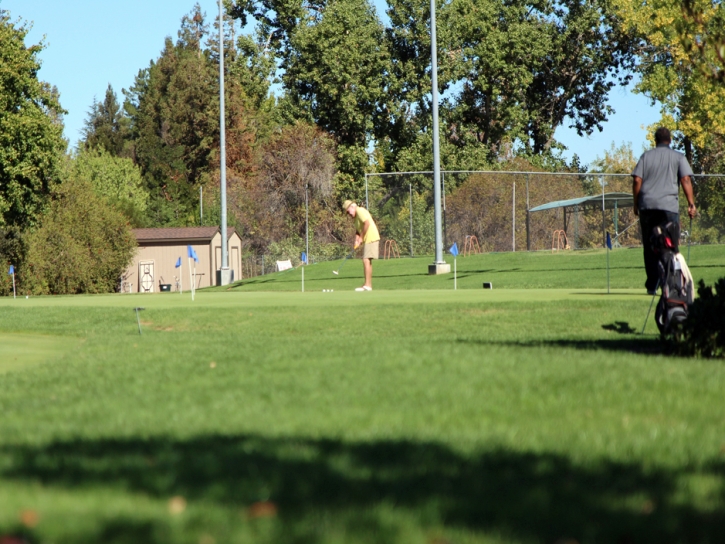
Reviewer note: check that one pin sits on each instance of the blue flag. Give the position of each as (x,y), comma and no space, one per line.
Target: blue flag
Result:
(303,257)
(178,263)
(191,253)
(609,241)
(454,249)
(12,270)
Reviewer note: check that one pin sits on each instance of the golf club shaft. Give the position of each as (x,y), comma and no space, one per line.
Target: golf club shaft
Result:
(345,260)
(650,307)
(689,237)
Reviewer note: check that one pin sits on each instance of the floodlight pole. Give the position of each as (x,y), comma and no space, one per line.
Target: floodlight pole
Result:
(439,266)
(223,275)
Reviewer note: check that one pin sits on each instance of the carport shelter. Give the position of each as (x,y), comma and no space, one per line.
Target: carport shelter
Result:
(159,249)
(606,201)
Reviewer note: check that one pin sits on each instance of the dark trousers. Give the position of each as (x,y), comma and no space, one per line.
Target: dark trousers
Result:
(648,220)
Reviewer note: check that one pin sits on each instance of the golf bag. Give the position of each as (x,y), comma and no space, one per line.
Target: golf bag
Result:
(674,279)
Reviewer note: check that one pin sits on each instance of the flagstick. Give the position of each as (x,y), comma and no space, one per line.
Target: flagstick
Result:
(13,284)
(191,278)
(455,275)
(193,288)
(303,279)
(607,269)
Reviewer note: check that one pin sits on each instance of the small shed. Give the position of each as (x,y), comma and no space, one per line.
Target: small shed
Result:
(159,249)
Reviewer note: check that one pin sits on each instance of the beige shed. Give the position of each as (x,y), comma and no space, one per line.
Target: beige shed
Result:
(153,265)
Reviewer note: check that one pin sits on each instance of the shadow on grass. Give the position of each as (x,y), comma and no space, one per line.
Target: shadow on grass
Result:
(651,345)
(526,496)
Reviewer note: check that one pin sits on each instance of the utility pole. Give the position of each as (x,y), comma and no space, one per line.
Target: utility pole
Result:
(439,266)
(224,276)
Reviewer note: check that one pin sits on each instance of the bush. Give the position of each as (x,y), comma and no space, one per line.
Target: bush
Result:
(82,246)
(703,333)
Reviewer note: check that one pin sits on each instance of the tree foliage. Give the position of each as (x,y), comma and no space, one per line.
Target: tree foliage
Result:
(117,179)
(31,140)
(106,127)
(81,246)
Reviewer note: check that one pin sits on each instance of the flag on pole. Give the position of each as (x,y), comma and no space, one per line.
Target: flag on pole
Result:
(609,241)
(453,250)
(303,257)
(178,263)
(191,253)
(12,270)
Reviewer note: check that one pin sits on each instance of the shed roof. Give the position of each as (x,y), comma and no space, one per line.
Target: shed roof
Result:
(179,234)
(621,200)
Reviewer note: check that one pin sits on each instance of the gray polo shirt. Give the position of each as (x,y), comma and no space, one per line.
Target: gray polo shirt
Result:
(661,169)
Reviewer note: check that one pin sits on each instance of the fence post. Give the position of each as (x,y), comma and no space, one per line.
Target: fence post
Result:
(513,221)
(528,217)
(410,188)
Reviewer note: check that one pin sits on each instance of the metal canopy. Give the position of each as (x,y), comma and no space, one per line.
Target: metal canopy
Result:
(611,201)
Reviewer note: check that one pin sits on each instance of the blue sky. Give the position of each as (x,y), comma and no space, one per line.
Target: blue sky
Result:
(91,43)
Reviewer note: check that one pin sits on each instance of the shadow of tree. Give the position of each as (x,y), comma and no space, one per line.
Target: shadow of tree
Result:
(529,496)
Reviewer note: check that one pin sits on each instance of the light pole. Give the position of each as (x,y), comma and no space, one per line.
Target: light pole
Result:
(224,276)
(439,266)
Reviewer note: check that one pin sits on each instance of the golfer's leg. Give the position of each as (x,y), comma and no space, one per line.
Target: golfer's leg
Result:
(368,267)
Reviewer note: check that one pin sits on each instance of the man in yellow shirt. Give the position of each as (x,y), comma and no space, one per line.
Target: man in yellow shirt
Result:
(366,232)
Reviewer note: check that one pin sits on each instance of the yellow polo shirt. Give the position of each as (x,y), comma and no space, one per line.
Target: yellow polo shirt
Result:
(372,234)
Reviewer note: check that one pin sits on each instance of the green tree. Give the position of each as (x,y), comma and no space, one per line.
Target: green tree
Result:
(81,246)
(106,127)
(31,141)
(616,160)
(117,179)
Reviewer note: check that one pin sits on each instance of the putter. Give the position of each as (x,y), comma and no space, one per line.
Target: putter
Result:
(689,237)
(650,307)
(336,272)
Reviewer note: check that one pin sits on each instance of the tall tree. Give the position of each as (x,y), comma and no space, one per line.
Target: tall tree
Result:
(692,101)
(106,127)
(31,141)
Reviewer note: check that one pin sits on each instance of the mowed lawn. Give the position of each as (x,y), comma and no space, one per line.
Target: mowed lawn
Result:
(530,413)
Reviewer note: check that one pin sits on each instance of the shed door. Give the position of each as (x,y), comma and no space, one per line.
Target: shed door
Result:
(146,277)
(236,268)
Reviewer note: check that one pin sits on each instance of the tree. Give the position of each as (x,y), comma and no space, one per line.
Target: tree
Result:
(106,127)
(510,73)
(335,74)
(31,141)
(117,179)
(81,246)
(297,162)
(616,160)
(692,103)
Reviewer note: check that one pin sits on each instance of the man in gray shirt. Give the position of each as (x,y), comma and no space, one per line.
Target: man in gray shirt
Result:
(656,191)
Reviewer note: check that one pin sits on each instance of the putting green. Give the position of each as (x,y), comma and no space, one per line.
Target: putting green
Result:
(19,351)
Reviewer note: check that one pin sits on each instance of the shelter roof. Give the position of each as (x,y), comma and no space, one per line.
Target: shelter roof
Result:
(620,200)
(179,234)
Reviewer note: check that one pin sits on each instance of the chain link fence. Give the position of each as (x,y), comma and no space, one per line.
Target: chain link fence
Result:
(514,211)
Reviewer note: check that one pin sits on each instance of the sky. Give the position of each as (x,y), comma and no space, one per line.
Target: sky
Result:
(91,43)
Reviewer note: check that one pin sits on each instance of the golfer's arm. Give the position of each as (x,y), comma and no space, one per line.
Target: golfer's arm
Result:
(686,183)
(636,188)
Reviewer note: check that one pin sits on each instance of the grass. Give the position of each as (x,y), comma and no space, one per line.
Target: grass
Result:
(522,270)
(409,414)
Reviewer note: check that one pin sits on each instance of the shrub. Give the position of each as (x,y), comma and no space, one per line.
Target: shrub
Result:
(82,246)
(703,333)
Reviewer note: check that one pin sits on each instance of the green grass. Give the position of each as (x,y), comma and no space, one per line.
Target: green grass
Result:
(522,270)
(409,414)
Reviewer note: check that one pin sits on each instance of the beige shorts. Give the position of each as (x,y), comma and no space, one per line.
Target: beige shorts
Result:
(371,250)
